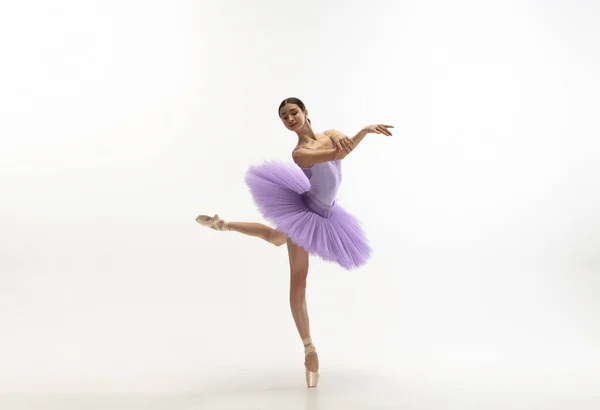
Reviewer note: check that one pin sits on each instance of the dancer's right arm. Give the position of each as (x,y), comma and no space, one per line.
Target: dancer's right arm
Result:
(306,157)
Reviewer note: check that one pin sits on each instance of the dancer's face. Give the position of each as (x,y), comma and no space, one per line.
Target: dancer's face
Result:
(292,117)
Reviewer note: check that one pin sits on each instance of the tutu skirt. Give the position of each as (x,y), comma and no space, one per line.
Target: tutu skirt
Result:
(280,192)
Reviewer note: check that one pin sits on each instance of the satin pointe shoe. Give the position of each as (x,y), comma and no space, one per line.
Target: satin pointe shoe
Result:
(214,222)
(312,378)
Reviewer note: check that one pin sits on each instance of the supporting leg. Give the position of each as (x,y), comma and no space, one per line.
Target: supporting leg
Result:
(299,271)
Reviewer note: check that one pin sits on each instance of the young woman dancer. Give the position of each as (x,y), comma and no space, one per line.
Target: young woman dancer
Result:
(300,200)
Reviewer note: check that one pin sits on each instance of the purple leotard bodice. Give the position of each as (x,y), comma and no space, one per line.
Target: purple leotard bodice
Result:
(325,179)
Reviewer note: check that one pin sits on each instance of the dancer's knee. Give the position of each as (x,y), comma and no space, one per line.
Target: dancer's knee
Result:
(276,238)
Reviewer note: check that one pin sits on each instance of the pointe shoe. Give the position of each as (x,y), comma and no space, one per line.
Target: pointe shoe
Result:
(214,222)
(312,378)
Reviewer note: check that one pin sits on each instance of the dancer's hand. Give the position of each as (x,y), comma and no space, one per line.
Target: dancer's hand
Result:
(344,144)
(378,129)
(342,149)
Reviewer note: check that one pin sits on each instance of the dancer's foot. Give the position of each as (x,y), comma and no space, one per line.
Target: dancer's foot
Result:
(214,222)
(311,363)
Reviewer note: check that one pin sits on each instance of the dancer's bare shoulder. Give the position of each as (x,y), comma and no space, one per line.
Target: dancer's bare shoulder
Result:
(323,142)
(321,150)
(333,133)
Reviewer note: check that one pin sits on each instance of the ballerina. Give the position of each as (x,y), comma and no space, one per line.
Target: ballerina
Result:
(300,199)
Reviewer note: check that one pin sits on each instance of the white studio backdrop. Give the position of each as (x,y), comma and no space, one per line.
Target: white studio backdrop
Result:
(122,121)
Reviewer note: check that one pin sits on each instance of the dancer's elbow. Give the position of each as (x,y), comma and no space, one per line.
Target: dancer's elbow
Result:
(302,162)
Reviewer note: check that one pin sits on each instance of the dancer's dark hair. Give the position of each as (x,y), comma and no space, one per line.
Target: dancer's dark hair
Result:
(293,100)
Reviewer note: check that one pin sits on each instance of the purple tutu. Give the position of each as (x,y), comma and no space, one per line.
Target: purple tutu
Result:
(281,193)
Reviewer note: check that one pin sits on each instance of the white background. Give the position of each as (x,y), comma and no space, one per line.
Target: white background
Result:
(123,120)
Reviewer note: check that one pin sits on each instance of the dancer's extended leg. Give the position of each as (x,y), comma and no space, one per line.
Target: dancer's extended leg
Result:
(259,230)
(248,228)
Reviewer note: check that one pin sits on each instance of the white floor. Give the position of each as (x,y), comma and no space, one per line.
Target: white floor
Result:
(464,387)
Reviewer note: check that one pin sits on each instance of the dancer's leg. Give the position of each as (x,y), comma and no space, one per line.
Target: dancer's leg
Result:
(259,230)
(299,271)
(248,228)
